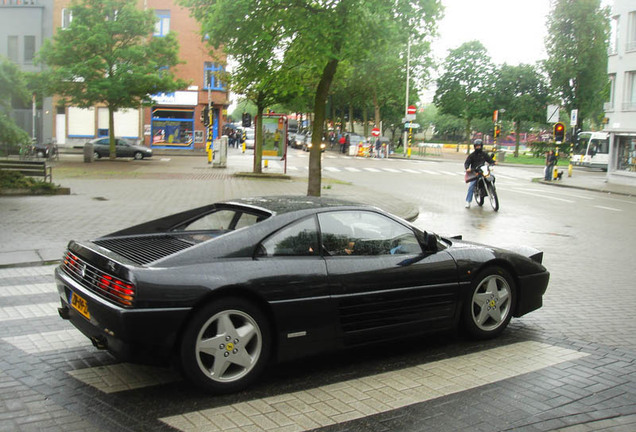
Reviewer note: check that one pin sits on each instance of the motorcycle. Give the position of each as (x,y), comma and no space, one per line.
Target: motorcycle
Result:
(485,187)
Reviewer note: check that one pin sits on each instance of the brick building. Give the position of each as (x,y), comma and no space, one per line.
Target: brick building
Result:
(175,119)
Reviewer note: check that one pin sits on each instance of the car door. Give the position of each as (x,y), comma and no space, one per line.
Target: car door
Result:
(123,149)
(102,147)
(383,284)
(292,276)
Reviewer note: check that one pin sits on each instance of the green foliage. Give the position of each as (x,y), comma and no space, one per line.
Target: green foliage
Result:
(577,45)
(464,88)
(12,87)
(15,180)
(108,56)
(289,49)
(539,149)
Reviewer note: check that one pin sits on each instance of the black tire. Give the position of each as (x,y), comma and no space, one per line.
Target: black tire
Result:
(226,345)
(479,198)
(138,155)
(494,199)
(489,304)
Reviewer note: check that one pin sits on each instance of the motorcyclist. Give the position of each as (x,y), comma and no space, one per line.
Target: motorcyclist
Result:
(474,160)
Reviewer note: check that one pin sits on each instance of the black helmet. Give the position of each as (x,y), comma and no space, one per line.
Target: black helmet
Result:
(478,142)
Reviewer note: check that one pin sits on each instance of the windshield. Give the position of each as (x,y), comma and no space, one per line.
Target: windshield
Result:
(590,146)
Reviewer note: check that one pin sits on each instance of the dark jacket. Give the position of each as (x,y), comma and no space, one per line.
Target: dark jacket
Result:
(477,159)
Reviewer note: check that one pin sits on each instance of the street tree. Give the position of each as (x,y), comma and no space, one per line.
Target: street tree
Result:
(250,33)
(108,56)
(464,88)
(13,87)
(314,37)
(520,94)
(577,45)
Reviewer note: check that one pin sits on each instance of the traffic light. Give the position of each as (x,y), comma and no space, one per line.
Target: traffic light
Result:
(497,131)
(247,120)
(205,116)
(559,132)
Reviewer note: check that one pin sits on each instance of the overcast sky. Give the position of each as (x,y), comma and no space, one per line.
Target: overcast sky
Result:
(513,31)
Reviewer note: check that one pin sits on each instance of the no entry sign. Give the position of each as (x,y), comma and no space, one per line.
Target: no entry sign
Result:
(411,109)
(375,132)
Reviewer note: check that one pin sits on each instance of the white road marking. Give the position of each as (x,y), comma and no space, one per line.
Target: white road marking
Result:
(27,289)
(372,170)
(451,173)
(543,196)
(362,397)
(38,310)
(608,208)
(430,172)
(49,341)
(351,169)
(124,376)
(391,170)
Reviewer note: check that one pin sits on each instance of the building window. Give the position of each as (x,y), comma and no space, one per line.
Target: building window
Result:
(609,105)
(29,49)
(211,79)
(12,48)
(67,17)
(162,26)
(613,42)
(630,41)
(626,152)
(629,103)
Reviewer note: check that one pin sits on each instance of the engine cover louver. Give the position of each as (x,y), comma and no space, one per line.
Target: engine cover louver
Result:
(144,250)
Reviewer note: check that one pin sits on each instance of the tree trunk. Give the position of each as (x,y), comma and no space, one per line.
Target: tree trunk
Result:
(468,123)
(315,169)
(376,107)
(111,134)
(351,118)
(258,140)
(517,137)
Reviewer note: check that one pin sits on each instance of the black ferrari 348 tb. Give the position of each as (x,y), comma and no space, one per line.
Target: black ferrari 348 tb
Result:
(228,287)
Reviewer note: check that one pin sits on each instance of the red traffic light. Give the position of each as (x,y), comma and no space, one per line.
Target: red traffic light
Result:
(559,132)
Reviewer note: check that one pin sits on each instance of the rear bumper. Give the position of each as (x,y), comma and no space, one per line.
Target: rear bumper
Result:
(140,335)
(530,292)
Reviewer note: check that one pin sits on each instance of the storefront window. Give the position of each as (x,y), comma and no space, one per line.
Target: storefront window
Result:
(172,127)
(626,160)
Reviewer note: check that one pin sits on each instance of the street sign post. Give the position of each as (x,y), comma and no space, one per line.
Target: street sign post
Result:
(553,114)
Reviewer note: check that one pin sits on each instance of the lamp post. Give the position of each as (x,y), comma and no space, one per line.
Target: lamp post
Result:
(406,102)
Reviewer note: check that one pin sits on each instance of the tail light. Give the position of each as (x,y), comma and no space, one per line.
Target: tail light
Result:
(111,287)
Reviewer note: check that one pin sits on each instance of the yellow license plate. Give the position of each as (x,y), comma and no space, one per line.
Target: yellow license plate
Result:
(80,305)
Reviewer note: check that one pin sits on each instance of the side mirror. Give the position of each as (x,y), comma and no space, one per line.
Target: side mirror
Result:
(431,242)
(428,241)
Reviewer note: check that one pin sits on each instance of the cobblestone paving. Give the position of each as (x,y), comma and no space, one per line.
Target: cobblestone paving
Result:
(51,378)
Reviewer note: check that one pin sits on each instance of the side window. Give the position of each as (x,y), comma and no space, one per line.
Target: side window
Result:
(219,220)
(297,239)
(365,233)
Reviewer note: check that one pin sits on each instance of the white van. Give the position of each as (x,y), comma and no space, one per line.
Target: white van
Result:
(591,150)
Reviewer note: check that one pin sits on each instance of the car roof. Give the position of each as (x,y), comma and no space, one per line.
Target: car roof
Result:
(289,203)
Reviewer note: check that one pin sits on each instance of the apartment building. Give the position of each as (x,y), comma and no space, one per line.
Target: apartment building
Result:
(24,24)
(620,110)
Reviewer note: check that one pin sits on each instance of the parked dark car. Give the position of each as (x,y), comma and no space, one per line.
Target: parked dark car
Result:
(123,147)
(228,287)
